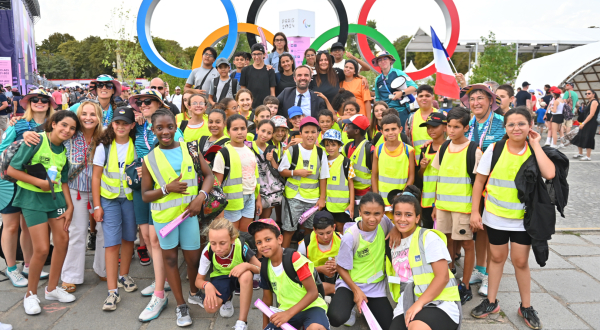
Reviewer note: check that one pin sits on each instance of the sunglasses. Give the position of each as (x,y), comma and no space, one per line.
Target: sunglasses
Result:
(101,85)
(160,88)
(44,100)
(146,102)
(588,93)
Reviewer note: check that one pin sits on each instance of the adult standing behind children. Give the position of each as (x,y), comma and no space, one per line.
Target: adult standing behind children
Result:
(285,75)
(201,77)
(279,48)
(417,133)
(257,78)
(300,95)
(353,83)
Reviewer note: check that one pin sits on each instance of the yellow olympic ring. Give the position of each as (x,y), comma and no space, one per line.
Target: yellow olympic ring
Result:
(222,32)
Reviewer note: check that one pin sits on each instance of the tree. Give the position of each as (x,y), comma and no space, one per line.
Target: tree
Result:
(400,45)
(55,66)
(242,45)
(51,44)
(352,44)
(496,63)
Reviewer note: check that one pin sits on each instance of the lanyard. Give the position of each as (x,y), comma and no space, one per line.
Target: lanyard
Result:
(474,127)
(385,84)
(108,116)
(146,135)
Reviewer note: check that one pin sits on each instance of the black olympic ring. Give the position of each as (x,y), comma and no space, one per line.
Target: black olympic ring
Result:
(337,5)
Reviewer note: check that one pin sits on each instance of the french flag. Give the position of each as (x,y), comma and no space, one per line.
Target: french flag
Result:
(445,83)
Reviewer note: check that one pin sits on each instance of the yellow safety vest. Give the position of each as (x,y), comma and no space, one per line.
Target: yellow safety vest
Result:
(112,178)
(454,190)
(393,171)
(46,157)
(318,257)
(194,134)
(502,195)
(338,195)
(369,258)
(219,270)
(430,177)
(232,184)
(419,135)
(307,187)
(172,205)
(362,180)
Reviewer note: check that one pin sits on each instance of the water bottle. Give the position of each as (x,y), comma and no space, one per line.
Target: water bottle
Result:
(52,172)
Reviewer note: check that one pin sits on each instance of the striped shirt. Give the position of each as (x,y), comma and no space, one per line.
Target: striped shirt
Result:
(76,150)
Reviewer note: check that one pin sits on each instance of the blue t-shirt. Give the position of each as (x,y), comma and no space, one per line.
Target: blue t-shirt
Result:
(541,112)
(3,98)
(174,157)
(238,75)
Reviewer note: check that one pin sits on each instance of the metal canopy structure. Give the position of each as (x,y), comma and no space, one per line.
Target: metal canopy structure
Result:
(32,7)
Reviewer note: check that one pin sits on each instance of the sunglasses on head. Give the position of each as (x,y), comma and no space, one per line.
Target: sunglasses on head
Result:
(146,102)
(101,85)
(160,88)
(36,99)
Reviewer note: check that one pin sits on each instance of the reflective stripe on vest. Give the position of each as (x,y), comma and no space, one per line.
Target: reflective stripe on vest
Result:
(369,258)
(362,180)
(419,135)
(338,195)
(307,187)
(393,171)
(454,189)
(232,184)
(46,157)
(502,195)
(112,179)
(318,257)
(430,177)
(237,259)
(172,205)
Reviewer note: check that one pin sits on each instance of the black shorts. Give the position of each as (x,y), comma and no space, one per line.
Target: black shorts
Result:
(341,217)
(426,218)
(434,317)
(501,237)
(225,285)
(548,116)
(558,118)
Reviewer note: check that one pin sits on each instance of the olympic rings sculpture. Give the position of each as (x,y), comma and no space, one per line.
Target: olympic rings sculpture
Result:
(231,32)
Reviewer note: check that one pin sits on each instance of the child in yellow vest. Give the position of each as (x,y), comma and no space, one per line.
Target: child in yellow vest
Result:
(299,305)
(325,123)
(279,135)
(414,129)
(504,212)
(351,108)
(197,126)
(420,262)
(295,115)
(394,161)
(113,202)
(244,99)
(233,264)
(452,208)
(170,184)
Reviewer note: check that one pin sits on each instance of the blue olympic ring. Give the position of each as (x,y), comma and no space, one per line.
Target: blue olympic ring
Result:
(145,39)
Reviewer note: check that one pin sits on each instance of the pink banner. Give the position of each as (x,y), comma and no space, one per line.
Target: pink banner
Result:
(5,71)
(298,45)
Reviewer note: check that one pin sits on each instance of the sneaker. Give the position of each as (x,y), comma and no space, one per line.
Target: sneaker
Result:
(465,294)
(25,272)
(183,315)
(352,318)
(577,156)
(327,299)
(59,294)
(196,299)
(255,285)
(485,308)
(585,159)
(110,304)
(153,309)
(240,325)
(560,146)
(530,317)
(32,304)
(143,255)
(127,283)
(483,289)
(226,309)
(4,326)
(91,244)
(236,291)
(149,290)
(16,278)
(476,277)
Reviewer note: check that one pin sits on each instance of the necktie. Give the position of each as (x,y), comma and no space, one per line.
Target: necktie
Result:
(300,99)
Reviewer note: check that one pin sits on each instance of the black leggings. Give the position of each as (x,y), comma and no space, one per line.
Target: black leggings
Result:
(343,302)
(434,317)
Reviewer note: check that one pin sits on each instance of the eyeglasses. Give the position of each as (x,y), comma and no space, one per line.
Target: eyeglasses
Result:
(479,99)
(512,126)
(279,40)
(146,102)
(311,55)
(198,103)
(257,54)
(208,55)
(101,85)
(160,88)
(44,100)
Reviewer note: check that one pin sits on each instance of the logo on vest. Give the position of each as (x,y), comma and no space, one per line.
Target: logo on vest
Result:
(417,258)
(274,285)
(334,178)
(189,168)
(44,159)
(363,253)
(312,167)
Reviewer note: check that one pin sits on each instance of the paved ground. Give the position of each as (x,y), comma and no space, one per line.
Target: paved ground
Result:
(566,293)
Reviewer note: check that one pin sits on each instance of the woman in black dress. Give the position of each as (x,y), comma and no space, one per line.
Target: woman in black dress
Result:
(587,129)
(327,80)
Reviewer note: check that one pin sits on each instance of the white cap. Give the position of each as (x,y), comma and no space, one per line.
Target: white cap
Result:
(177,87)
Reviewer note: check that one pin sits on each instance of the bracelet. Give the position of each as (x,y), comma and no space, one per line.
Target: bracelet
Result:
(96,208)
(292,172)
(204,285)
(205,194)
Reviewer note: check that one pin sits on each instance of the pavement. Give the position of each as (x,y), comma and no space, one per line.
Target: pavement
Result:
(565,293)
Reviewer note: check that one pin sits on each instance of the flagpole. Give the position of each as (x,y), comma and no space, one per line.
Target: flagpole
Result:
(450,60)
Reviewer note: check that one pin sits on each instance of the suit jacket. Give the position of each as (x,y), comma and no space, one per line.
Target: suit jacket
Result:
(287,99)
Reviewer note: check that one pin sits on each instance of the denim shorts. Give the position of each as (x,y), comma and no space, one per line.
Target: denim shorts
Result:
(306,318)
(143,216)
(187,235)
(119,221)
(246,212)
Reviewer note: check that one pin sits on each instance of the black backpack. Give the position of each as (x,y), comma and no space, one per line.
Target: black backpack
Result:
(368,154)
(245,238)
(470,157)
(225,88)
(288,267)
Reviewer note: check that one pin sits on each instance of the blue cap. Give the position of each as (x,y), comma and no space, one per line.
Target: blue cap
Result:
(294,111)
(332,134)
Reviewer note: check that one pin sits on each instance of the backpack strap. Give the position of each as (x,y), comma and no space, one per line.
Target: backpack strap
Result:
(264,272)
(225,90)
(307,242)
(406,150)
(295,154)
(234,85)
(380,150)
(472,149)
(106,150)
(214,90)
(355,236)
(183,125)
(288,265)
(242,245)
(369,155)
(442,150)
(346,149)
(222,142)
(227,162)
(346,166)
(210,254)
(498,147)
(201,143)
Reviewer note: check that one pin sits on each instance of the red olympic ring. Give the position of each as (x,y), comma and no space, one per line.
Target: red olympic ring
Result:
(453,30)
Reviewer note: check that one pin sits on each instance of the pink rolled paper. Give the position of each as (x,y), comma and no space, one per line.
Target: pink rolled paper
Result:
(373,325)
(308,214)
(172,225)
(268,312)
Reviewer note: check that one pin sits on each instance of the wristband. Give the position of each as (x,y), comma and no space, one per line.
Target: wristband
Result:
(292,172)
(205,194)
(204,285)
(96,208)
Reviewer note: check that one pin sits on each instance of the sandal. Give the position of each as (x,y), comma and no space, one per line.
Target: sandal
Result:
(70,288)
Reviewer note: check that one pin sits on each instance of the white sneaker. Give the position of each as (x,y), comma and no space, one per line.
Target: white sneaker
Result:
(183,316)
(476,277)
(153,309)
(196,299)
(25,272)
(352,318)
(585,159)
(127,283)
(560,146)
(59,294)
(32,304)
(240,325)
(226,309)
(577,156)
(110,303)
(4,326)
(149,290)
(16,278)
(483,289)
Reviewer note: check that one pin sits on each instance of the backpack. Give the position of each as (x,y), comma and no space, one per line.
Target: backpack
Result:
(470,157)
(368,154)
(72,98)
(203,141)
(5,159)
(497,152)
(271,183)
(288,267)
(568,108)
(245,238)
(225,90)
(405,150)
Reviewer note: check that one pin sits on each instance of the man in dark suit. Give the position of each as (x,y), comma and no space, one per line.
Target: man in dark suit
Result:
(300,95)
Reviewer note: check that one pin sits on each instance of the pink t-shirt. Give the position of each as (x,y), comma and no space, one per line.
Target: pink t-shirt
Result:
(57,97)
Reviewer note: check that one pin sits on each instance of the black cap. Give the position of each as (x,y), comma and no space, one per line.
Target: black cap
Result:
(570,83)
(525,84)
(125,114)
(435,119)
(392,194)
(323,217)
(337,45)
(258,47)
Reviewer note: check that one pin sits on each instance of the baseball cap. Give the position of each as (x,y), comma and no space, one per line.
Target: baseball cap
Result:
(323,217)
(258,47)
(176,88)
(269,221)
(125,114)
(294,111)
(435,119)
(570,83)
(279,121)
(525,84)
(309,121)
(531,90)
(359,120)
(222,61)
(125,88)
(337,45)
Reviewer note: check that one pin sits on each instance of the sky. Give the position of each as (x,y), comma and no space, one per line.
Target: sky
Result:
(190,21)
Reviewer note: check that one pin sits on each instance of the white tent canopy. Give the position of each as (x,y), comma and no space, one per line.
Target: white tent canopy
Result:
(73,85)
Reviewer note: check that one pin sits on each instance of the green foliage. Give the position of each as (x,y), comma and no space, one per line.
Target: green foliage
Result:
(352,44)
(496,63)
(51,44)
(55,67)
(400,45)
(242,46)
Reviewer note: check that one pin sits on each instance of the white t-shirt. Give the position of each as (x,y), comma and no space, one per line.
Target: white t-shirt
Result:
(121,156)
(302,247)
(492,220)
(435,249)
(176,99)
(248,168)
(324,173)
